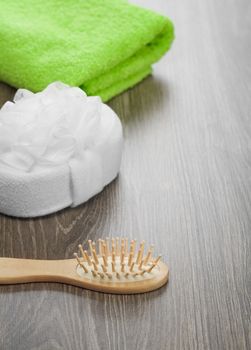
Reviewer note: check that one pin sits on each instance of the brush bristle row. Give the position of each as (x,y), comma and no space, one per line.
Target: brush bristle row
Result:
(116,258)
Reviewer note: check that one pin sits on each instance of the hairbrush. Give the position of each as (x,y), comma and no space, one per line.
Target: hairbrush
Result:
(110,266)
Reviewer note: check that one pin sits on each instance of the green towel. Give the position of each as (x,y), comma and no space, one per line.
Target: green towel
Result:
(103,46)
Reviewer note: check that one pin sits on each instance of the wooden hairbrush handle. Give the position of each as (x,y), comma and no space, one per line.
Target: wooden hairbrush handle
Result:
(13,271)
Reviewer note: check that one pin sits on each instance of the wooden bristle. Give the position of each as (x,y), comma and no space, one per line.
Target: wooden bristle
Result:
(140,265)
(117,246)
(131,254)
(113,267)
(131,267)
(84,268)
(81,251)
(77,258)
(94,265)
(126,246)
(122,256)
(131,246)
(101,274)
(130,259)
(104,268)
(94,273)
(108,245)
(134,246)
(142,247)
(140,252)
(100,250)
(148,256)
(87,258)
(105,249)
(150,268)
(105,260)
(157,260)
(117,275)
(122,246)
(94,254)
(90,245)
(122,267)
(113,246)
(138,256)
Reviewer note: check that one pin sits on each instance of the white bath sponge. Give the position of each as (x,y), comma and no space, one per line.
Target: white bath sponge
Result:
(58,148)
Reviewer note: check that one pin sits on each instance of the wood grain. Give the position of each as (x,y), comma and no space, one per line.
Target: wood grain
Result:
(184,185)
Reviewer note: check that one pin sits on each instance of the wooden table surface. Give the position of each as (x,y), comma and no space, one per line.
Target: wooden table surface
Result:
(184,185)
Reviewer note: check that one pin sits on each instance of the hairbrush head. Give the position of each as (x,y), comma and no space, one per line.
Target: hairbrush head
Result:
(118,268)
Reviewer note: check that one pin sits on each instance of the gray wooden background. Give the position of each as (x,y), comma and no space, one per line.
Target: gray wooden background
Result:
(184,185)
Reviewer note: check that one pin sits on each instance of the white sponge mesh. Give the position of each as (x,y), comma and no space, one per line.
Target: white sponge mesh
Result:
(58,148)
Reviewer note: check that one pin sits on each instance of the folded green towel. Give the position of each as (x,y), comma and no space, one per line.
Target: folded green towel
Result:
(103,46)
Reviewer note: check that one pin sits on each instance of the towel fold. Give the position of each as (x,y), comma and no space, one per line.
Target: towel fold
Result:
(103,46)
